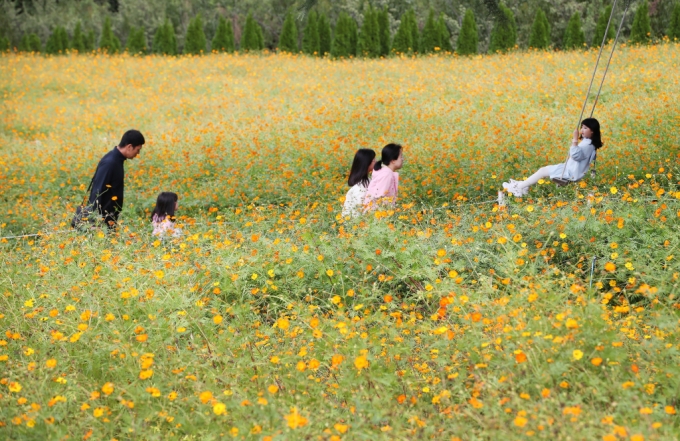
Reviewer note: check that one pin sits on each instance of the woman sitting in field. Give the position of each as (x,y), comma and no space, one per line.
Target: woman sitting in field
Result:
(384,185)
(363,163)
(163,215)
(581,155)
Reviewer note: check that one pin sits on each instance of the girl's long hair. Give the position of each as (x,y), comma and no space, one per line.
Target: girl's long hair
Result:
(389,153)
(359,172)
(594,125)
(165,207)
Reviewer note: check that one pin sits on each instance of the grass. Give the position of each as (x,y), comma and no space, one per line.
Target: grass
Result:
(274,318)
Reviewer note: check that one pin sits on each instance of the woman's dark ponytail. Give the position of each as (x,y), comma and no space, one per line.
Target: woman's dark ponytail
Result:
(390,153)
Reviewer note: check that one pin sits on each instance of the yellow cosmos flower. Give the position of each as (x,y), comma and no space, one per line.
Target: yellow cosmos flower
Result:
(219,409)
(361,362)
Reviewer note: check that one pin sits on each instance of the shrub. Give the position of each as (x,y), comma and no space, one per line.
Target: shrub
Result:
(288,42)
(430,36)
(224,41)
(384,32)
(540,31)
(136,43)
(504,33)
(403,43)
(195,42)
(369,37)
(468,37)
(674,26)
(343,42)
(4,44)
(641,31)
(252,38)
(30,43)
(601,27)
(164,40)
(574,38)
(415,32)
(90,41)
(108,42)
(58,41)
(325,35)
(444,35)
(78,41)
(310,38)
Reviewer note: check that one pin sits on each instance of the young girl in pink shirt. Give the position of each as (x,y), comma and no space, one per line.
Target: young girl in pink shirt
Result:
(163,216)
(384,184)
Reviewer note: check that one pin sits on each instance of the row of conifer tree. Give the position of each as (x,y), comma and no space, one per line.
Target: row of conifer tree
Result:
(373,39)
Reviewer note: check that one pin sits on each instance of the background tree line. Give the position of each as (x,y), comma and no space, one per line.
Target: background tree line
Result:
(337,27)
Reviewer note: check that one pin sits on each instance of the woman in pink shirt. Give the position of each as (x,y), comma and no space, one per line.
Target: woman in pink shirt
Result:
(384,184)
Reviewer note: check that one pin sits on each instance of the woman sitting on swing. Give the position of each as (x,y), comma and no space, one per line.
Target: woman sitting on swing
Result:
(581,155)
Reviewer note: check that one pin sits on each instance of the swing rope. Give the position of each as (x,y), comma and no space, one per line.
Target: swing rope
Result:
(597,63)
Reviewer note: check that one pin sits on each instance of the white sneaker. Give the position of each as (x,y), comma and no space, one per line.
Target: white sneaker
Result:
(515,189)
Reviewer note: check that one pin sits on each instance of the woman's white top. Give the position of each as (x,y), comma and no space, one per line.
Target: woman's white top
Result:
(580,157)
(354,201)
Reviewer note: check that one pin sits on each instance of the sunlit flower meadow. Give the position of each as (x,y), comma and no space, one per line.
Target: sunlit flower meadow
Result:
(555,316)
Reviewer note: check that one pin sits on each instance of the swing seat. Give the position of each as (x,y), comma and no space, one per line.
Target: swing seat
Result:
(561,182)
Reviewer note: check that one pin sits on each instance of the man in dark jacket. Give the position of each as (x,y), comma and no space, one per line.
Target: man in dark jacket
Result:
(108,184)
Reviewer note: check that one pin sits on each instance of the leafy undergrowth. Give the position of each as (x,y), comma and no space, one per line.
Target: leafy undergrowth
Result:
(468,321)
(273,318)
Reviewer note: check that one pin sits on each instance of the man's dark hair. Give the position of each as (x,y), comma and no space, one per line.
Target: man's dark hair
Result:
(133,137)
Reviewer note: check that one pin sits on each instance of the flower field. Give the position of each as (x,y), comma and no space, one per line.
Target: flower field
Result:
(450,317)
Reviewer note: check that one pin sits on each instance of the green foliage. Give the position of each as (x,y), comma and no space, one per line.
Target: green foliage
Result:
(4,44)
(369,36)
(325,35)
(252,38)
(224,40)
(504,34)
(260,36)
(165,40)
(342,42)
(574,38)
(415,32)
(195,42)
(540,31)
(403,43)
(78,41)
(288,42)
(310,37)
(90,41)
(354,36)
(444,35)
(30,43)
(136,43)
(674,26)
(58,42)
(468,37)
(601,27)
(641,31)
(108,42)
(430,37)
(384,31)
(53,44)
